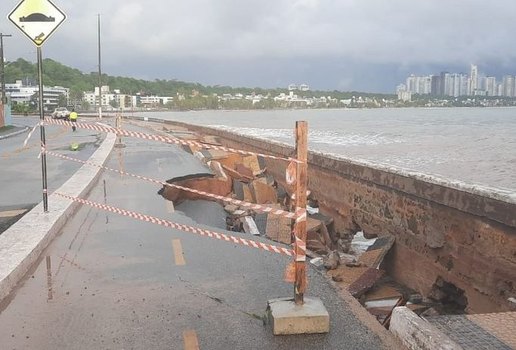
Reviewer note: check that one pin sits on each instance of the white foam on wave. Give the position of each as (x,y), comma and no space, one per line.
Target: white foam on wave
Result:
(314,136)
(285,137)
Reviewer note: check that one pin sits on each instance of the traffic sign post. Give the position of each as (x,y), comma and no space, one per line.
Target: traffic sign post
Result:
(38,19)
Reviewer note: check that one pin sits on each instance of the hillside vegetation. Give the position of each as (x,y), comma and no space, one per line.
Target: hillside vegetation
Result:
(57,74)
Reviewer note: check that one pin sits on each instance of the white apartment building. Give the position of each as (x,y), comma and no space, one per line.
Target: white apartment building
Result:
(473,79)
(491,86)
(508,86)
(419,85)
(20,93)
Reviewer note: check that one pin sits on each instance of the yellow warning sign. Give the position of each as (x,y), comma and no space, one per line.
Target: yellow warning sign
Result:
(37,19)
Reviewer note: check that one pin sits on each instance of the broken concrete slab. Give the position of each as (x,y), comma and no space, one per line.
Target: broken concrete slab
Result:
(251,162)
(325,219)
(261,222)
(202,182)
(242,192)
(263,193)
(383,292)
(244,171)
(250,226)
(213,154)
(365,282)
(231,208)
(238,190)
(216,167)
(248,194)
(279,228)
(317,246)
(288,318)
(347,275)
(236,175)
(231,160)
(313,225)
(375,254)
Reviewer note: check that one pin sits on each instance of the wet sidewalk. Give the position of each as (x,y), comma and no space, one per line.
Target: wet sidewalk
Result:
(10,131)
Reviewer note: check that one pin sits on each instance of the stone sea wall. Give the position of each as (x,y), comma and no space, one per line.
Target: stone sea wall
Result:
(465,237)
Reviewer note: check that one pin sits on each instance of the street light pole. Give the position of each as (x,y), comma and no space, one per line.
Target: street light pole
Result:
(2,66)
(100,71)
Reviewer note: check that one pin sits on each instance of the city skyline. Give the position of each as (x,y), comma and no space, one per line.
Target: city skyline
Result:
(362,46)
(446,83)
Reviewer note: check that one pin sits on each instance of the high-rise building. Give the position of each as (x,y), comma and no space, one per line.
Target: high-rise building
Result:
(435,88)
(443,83)
(419,85)
(508,85)
(491,87)
(473,79)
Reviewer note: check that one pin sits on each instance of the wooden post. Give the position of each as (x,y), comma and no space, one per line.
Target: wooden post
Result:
(300,225)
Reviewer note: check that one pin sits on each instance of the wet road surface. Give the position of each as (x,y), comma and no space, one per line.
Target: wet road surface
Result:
(20,168)
(111,282)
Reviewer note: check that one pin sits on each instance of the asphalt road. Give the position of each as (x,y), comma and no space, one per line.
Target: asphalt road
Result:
(20,168)
(117,283)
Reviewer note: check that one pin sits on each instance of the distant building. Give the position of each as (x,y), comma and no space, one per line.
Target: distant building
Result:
(460,84)
(473,79)
(403,94)
(508,85)
(20,93)
(419,85)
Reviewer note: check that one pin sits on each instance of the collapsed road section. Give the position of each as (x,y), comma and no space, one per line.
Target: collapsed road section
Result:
(451,248)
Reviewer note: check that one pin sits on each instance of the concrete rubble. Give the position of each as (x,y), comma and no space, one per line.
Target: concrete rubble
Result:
(354,262)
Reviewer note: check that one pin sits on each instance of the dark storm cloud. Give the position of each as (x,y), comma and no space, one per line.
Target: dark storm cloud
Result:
(333,44)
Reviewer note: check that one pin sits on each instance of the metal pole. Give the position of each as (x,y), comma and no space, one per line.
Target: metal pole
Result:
(100,71)
(300,225)
(2,66)
(42,132)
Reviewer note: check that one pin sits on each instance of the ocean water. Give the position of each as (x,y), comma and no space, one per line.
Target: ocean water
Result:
(475,146)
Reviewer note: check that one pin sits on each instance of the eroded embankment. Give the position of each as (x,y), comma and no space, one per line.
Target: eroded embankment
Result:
(447,237)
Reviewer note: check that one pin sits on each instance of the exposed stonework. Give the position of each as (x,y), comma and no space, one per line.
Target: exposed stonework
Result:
(466,238)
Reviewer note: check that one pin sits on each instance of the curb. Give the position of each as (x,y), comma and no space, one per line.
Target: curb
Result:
(14,133)
(417,333)
(22,244)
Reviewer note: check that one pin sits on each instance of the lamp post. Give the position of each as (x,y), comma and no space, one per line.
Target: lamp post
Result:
(100,71)
(2,66)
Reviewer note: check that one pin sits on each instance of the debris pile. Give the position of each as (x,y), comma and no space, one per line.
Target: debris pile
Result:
(354,262)
(245,178)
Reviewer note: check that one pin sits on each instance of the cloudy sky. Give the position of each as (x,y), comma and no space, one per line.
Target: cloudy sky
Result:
(366,45)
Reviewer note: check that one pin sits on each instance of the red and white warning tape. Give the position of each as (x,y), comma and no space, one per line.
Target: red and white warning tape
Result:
(185,228)
(252,206)
(300,245)
(158,138)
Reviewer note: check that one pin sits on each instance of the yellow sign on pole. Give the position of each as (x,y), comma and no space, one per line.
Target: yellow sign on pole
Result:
(37,19)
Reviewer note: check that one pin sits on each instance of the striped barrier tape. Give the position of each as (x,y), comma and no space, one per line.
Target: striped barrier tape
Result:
(165,139)
(300,245)
(30,134)
(252,206)
(185,228)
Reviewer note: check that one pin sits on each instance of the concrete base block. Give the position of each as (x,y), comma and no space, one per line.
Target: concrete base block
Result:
(288,318)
